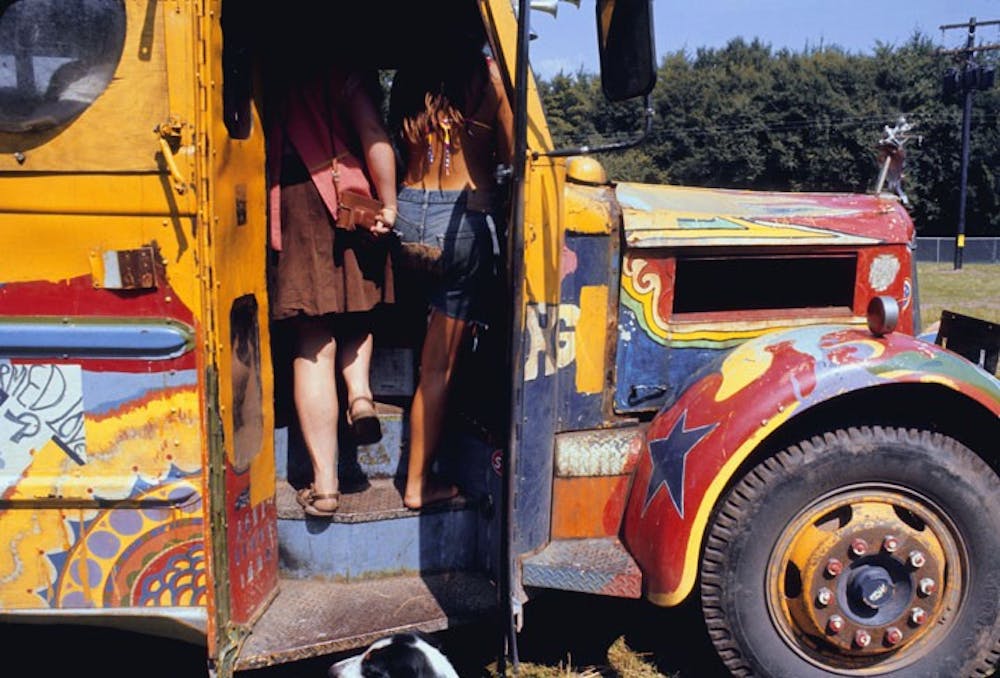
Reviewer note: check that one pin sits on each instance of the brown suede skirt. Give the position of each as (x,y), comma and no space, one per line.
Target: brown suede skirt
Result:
(322,269)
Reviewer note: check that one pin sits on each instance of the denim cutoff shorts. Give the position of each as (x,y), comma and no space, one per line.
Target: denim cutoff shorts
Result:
(467,241)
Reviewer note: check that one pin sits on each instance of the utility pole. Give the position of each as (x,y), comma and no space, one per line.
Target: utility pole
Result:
(966,80)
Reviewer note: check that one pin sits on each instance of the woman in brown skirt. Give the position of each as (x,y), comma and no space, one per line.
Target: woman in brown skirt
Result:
(326,136)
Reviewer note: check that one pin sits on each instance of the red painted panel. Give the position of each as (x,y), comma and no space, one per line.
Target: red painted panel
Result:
(78,298)
(253,547)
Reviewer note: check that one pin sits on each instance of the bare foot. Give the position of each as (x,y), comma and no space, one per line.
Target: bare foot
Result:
(433,491)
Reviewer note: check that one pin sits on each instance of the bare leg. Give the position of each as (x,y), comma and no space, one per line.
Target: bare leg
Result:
(355,364)
(437,360)
(315,388)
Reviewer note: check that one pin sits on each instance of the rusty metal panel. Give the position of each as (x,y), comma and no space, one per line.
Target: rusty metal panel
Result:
(127,270)
(588,565)
(312,617)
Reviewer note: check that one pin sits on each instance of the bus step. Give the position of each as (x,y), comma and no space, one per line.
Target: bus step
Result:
(599,565)
(311,617)
(380,500)
(373,534)
(383,459)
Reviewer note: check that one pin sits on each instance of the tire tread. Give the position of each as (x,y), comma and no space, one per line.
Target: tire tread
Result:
(741,498)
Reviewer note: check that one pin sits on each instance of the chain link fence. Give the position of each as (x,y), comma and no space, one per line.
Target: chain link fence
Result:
(976,251)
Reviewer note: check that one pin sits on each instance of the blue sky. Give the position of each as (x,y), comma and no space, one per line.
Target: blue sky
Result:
(568,41)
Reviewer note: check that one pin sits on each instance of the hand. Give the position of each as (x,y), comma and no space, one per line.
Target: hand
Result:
(384,221)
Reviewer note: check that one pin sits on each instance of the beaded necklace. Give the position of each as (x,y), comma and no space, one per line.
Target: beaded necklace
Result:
(444,131)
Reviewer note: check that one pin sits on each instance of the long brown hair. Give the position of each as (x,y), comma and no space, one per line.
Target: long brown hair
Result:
(443,84)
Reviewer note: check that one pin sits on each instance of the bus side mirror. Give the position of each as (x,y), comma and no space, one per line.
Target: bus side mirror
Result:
(625,45)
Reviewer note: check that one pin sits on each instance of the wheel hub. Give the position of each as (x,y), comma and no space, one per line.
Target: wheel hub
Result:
(870,585)
(862,574)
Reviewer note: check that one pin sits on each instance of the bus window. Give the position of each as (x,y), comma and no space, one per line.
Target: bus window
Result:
(56,58)
(237,20)
(248,396)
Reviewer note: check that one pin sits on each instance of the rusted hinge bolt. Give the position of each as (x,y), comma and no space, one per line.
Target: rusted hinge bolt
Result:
(862,638)
(918,616)
(835,624)
(917,559)
(927,586)
(824,596)
(893,635)
(890,543)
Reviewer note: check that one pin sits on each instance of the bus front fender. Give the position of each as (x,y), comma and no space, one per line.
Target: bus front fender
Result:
(695,446)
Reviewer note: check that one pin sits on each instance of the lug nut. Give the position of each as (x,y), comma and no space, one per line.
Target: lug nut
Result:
(893,635)
(890,543)
(918,616)
(859,547)
(927,586)
(835,624)
(917,559)
(834,567)
(824,596)
(862,638)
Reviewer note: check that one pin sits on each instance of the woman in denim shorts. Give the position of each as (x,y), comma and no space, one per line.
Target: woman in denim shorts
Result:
(453,123)
(461,240)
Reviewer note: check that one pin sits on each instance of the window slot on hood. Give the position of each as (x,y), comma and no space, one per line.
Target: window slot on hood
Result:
(757,283)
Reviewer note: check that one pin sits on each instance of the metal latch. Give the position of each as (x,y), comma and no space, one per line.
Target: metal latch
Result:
(170,141)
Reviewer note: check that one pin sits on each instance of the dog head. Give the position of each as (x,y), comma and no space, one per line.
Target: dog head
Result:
(404,654)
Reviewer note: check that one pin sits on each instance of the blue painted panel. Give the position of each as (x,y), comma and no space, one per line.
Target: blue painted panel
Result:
(105,391)
(534,462)
(649,375)
(588,260)
(424,543)
(464,457)
(384,459)
(465,540)
(491,525)
(125,339)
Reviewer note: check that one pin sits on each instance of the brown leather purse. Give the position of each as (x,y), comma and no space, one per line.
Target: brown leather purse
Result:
(355,210)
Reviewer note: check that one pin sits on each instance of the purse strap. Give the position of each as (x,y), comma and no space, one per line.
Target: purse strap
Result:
(333,116)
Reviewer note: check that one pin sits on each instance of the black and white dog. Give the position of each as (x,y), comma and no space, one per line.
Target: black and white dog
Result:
(404,654)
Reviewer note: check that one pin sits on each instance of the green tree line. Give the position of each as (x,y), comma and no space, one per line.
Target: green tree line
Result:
(746,116)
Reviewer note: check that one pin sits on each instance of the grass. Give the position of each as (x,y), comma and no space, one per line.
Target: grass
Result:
(972,290)
(622,662)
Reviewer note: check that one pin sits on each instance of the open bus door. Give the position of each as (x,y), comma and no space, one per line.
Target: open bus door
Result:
(230,161)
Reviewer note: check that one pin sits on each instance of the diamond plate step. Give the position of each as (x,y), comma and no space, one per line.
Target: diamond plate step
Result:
(587,565)
(310,618)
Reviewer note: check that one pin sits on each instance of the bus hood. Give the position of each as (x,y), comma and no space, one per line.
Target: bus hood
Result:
(676,216)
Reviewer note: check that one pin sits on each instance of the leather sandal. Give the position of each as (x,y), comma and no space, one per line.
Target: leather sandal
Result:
(366,428)
(307,498)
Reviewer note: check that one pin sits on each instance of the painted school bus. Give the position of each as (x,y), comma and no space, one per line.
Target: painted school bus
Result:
(686,391)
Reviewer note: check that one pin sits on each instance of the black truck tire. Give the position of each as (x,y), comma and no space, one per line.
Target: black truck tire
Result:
(859,552)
